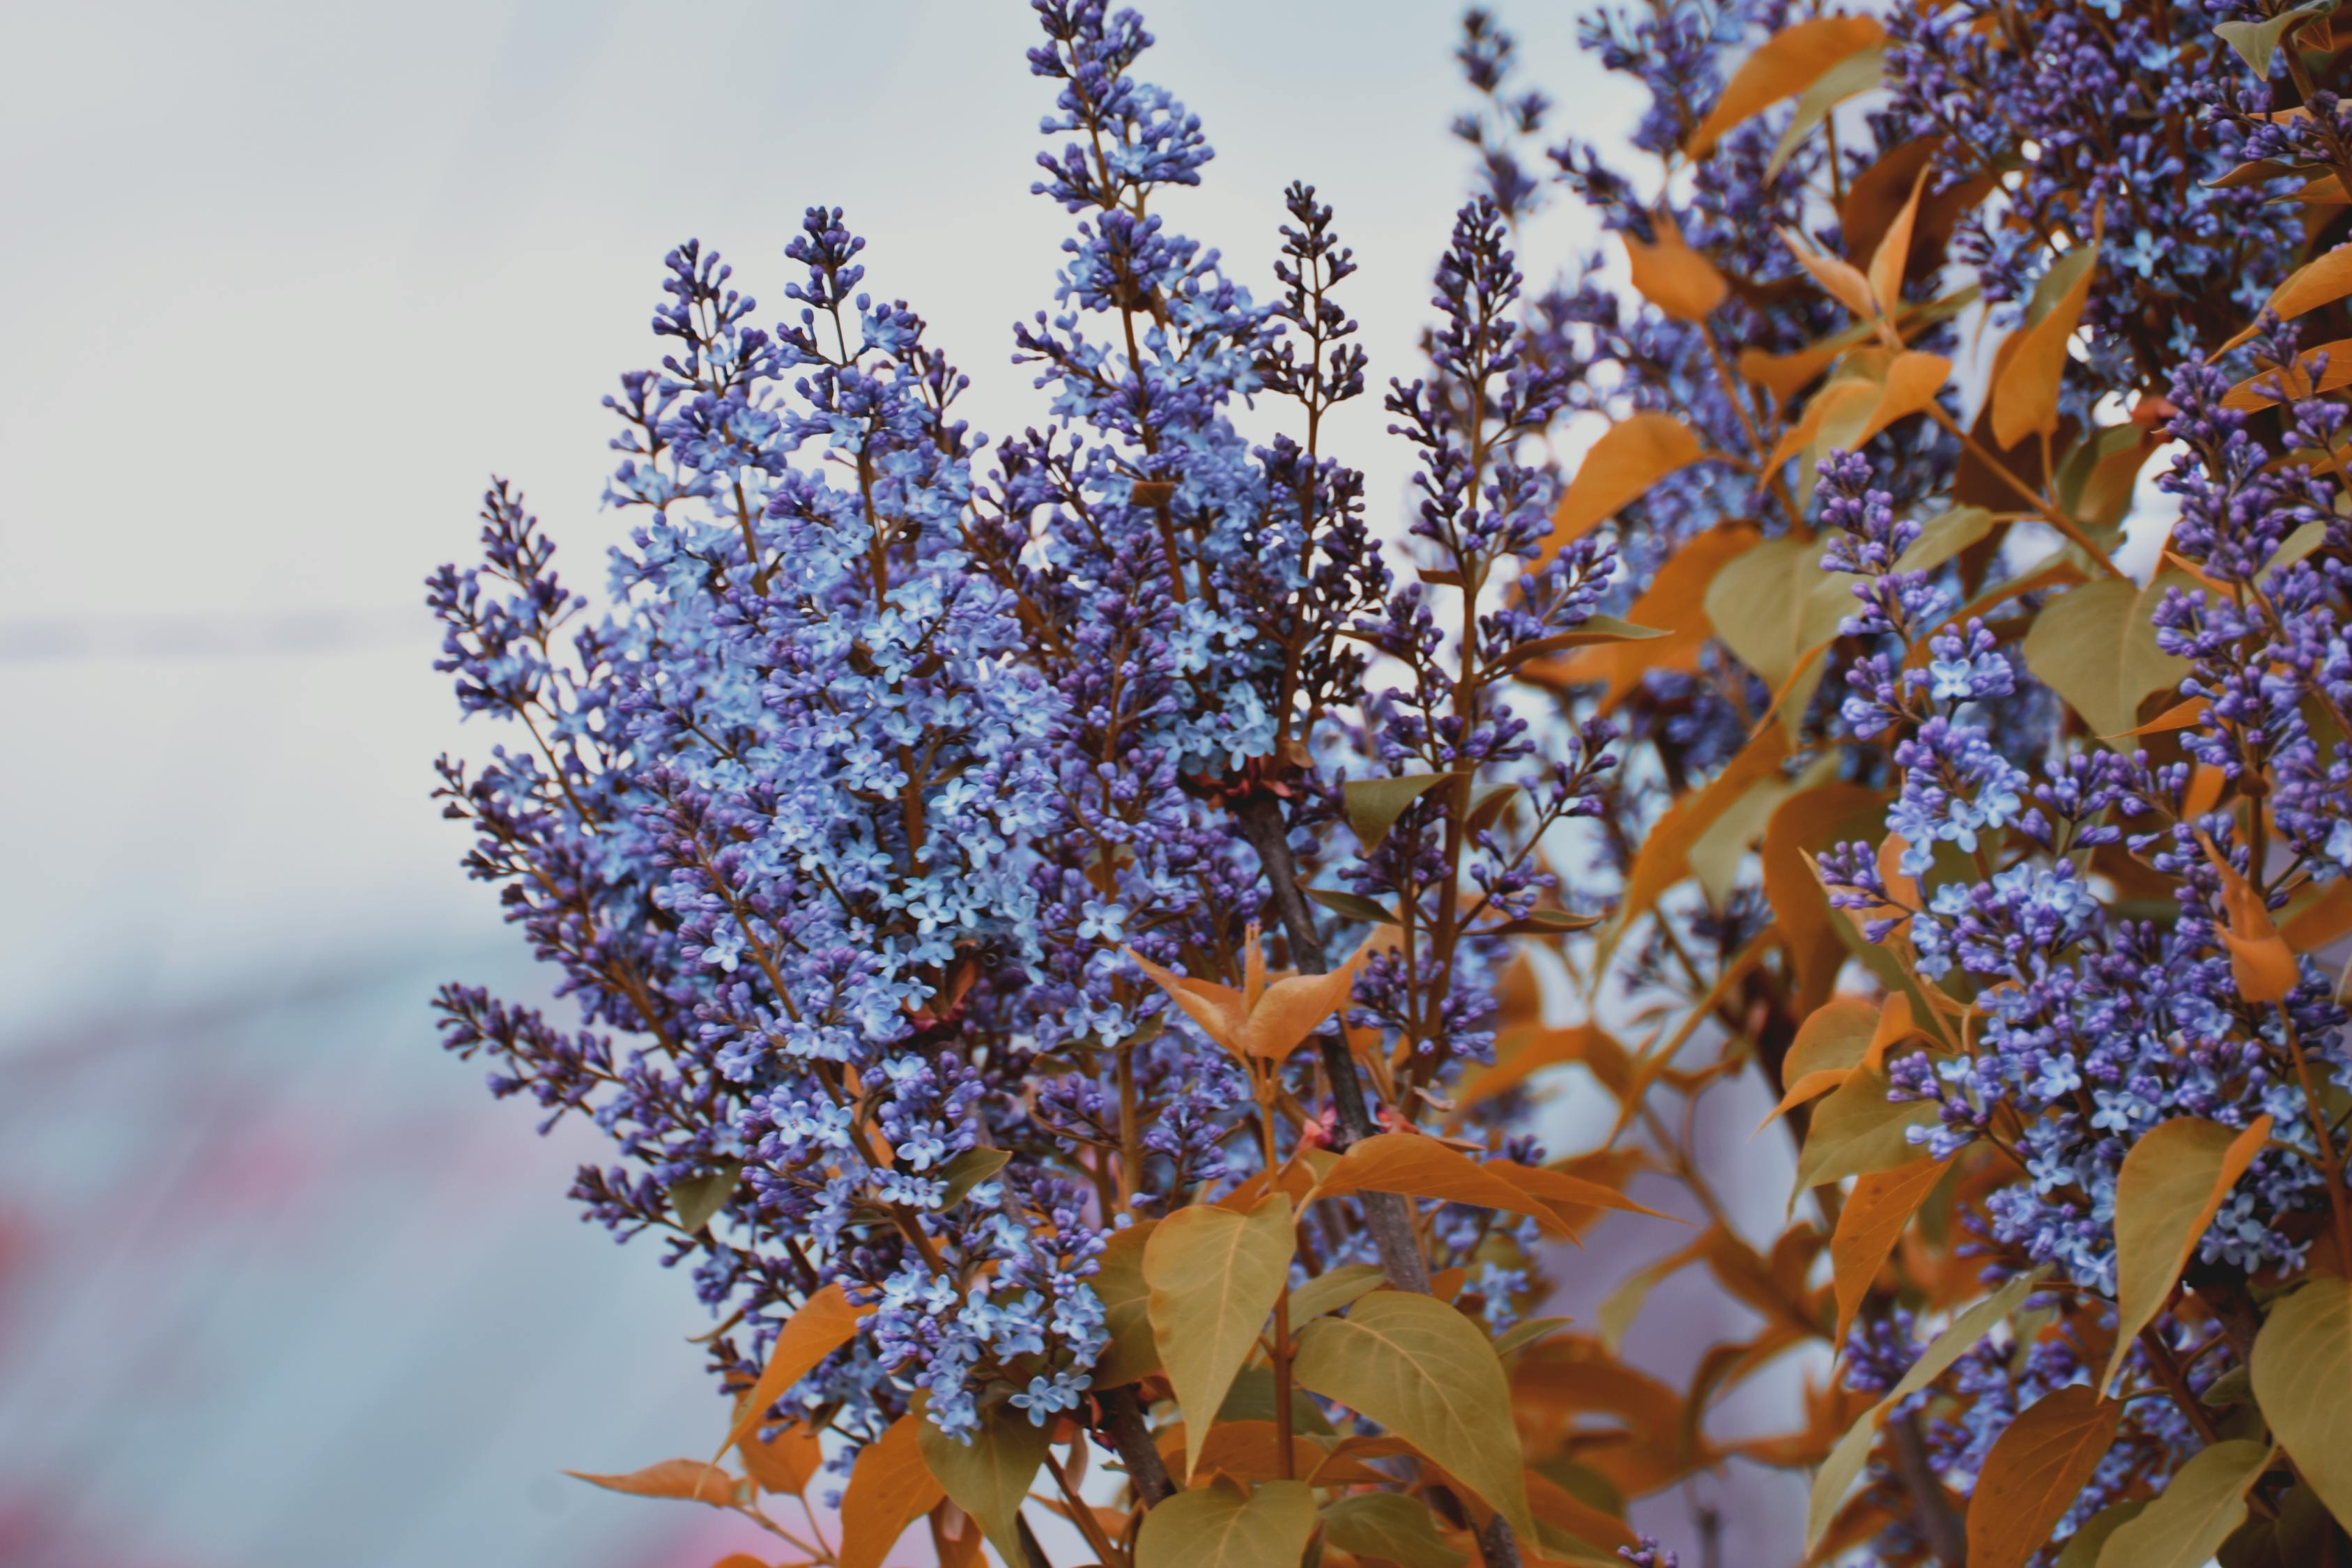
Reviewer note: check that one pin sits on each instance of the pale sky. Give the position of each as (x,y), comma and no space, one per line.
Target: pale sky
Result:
(281,284)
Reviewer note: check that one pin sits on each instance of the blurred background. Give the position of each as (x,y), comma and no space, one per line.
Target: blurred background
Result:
(280,286)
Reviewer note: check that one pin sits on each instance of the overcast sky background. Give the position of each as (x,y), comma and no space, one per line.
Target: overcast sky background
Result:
(280,286)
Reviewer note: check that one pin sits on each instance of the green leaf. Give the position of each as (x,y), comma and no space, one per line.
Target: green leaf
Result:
(1387,1525)
(1216,1526)
(988,1476)
(2302,1369)
(2294,547)
(1943,536)
(2192,1516)
(2170,1188)
(1836,1474)
(1424,1370)
(1856,1131)
(1857,73)
(2095,645)
(968,1170)
(1374,804)
(697,1198)
(2082,1547)
(1334,1289)
(1132,1353)
(1355,906)
(1214,1277)
(2258,42)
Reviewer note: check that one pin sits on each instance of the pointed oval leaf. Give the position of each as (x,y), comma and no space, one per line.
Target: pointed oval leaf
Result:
(1630,456)
(2170,1188)
(2034,1473)
(968,1170)
(988,1476)
(2194,1515)
(784,1463)
(825,1322)
(2303,1368)
(889,1489)
(1869,1225)
(1334,1289)
(1374,804)
(1391,1527)
(1424,1372)
(1786,64)
(1673,276)
(689,1481)
(1118,1284)
(2025,393)
(1216,1526)
(697,1198)
(1214,1276)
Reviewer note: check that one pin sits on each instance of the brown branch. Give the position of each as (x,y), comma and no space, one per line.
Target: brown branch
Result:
(1130,1438)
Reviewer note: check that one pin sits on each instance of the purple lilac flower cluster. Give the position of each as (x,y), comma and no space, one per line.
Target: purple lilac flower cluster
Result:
(841,823)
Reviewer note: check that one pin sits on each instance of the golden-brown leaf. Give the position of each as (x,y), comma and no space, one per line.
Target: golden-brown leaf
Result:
(2025,393)
(889,1489)
(2168,1191)
(1214,1277)
(1787,63)
(1868,1226)
(1630,456)
(691,1480)
(785,1462)
(2034,1473)
(2322,281)
(824,1323)
(1673,276)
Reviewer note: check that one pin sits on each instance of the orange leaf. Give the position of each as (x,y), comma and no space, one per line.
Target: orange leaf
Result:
(2180,716)
(1851,411)
(2256,391)
(785,1463)
(1894,250)
(822,1325)
(2322,281)
(1218,1009)
(889,1489)
(1420,1166)
(2025,393)
(1673,276)
(1800,827)
(691,1480)
(1630,456)
(1875,1212)
(1296,1005)
(2259,958)
(738,1560)
(2035,1470)
(1787,63)
(1839,278)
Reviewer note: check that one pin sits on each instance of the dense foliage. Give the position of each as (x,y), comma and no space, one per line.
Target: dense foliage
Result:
(1069,932)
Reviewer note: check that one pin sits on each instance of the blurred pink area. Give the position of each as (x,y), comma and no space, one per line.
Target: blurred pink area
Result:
(279,1285)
